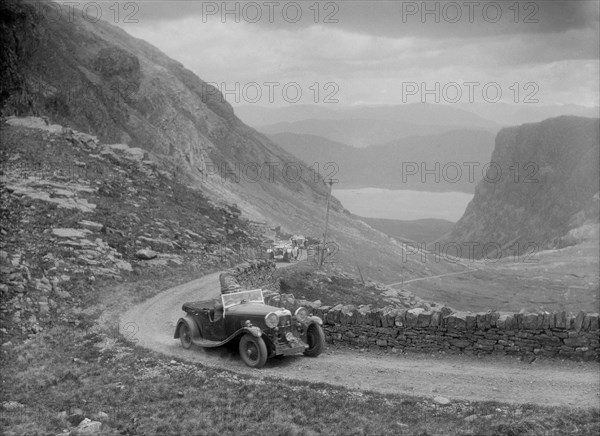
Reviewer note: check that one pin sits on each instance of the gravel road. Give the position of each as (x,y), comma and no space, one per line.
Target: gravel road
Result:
(544,382)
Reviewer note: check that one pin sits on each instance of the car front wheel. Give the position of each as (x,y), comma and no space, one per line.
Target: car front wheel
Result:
(185,335)
(253,351)
(315,338)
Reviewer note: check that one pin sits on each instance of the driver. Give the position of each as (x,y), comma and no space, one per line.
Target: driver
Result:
(229,284)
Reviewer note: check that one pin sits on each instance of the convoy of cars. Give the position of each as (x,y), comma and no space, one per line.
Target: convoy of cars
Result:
(280,251)
(286,251)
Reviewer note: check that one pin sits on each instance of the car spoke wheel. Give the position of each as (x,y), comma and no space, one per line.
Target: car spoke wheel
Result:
(185,335)
(315,338)
(253,351)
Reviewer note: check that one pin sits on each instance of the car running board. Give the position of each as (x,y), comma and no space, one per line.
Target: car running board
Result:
(208,343)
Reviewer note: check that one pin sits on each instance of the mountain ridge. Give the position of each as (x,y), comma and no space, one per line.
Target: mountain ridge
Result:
(403,163)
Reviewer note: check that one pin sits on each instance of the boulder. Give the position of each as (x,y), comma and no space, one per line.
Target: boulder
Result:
(157,243)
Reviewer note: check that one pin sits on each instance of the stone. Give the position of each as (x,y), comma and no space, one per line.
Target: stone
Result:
(157,243)
(457,321)
(145,254)
(424,319)
(470,321)
(580,341)
(442,401)
(412,316)
(545,320)
(561,320)
(124,265)
(12,405)
(44,308)
(76,418)
(529,321)
(88,427)
(400,320)
(103,416)
(483,321)
(436,319)
(70,233)
(471,418)
(459,343)
(579,320)
(91,225)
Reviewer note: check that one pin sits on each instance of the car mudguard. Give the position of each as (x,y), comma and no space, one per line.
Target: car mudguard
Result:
(316,320)
(191,324)
(254,331)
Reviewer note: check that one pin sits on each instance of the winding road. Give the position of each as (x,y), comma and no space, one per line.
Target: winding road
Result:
(151,324)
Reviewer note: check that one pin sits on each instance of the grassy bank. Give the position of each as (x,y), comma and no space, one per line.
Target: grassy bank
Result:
(132,391)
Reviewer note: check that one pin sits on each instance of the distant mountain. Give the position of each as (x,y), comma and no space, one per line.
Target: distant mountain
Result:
(354,132)
(515,114)
(546,195)
(362,126)
(256,115)
(457,159)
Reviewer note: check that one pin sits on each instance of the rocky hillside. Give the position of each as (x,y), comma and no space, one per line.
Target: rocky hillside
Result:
(541,193)
(96,78)
(76,212)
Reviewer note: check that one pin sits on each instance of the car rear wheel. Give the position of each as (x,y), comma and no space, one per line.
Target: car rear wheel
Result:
(185,335)
(253,351)
(315,339)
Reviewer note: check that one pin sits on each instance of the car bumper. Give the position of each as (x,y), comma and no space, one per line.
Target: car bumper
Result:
(290,348)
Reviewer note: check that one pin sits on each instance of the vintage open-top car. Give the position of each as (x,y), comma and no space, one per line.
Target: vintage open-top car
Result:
(262,331)
(280,251)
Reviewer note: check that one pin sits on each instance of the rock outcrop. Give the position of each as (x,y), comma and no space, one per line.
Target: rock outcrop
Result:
(541,185)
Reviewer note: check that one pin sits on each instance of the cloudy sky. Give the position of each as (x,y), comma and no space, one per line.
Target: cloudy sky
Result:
(382,52)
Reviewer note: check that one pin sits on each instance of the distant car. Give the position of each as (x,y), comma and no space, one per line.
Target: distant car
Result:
(262,331)
(281,251)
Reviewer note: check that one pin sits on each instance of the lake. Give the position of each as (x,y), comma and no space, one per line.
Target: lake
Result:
(403,204)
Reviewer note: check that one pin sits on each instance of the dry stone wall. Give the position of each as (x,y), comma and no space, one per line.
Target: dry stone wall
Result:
(556,334)
(550,334)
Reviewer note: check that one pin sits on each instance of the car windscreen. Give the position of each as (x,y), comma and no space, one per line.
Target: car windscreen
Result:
(252,296)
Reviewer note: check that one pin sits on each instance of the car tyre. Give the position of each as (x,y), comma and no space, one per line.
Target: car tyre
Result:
(315,338)
(253,351)
(185,335)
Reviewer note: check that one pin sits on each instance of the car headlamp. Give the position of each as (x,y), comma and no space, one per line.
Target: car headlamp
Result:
(301,314)
(271,320)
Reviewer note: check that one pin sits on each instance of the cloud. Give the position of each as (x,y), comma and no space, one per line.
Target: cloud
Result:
(390,18)
(369,59)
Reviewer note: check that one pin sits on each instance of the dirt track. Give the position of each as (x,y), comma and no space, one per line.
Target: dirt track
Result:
(547,382)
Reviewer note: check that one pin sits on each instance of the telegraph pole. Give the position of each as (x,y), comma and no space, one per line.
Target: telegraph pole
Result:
(326,222)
